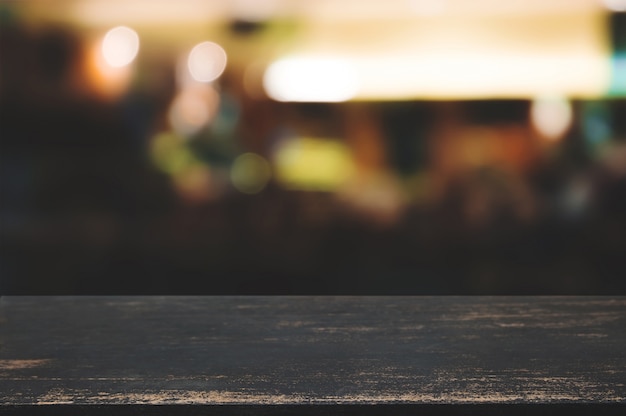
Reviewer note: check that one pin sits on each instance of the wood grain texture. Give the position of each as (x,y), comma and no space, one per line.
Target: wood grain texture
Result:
(285,351)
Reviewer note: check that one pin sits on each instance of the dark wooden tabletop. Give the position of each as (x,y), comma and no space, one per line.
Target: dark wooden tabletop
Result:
(308,355)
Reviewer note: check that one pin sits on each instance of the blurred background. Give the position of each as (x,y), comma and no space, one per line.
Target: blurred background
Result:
(313,147)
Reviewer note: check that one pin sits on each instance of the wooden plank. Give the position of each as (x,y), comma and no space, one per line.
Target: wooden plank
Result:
(265,355)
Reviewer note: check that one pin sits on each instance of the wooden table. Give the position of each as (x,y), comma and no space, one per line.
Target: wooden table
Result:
(312,355)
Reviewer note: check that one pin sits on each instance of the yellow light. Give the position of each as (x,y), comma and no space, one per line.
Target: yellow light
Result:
(193,108)
(313,164)
(206,62)
(311,79)
(551,116)
(170,155)
(120,46)
(455,74)
(250,173)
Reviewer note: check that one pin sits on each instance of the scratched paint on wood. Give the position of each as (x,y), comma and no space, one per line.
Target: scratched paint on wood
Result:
(307,350)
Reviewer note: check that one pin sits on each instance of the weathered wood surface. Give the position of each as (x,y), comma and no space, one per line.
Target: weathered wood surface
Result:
(267,352)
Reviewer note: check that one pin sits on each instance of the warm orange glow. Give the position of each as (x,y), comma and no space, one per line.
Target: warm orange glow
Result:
(105,80)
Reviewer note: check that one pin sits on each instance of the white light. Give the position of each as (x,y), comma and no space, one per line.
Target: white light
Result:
(120,46)
(551,116)
(453,74)
(207,61)
(615,5)
(311,80)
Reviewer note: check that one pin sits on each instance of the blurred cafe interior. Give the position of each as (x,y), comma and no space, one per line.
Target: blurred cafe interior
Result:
(313,147)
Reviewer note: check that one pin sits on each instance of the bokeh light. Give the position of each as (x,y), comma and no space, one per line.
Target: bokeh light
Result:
(207,61)
(170,155)
(310,79)
(194,183)
(313,164)
(551,116)
(250,173)
(193,108)
(298,146)
(120,46)
(103,79)
(376,195)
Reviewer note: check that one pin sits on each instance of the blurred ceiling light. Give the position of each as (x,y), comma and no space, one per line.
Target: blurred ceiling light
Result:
(454,57)
(250,173)
(615,5)
(255,10)
(313,164)
(104,12)
(551,116)
(120,46)
(311,79)
(206,62)
(201,12)
(468,75)
(192,109)
(427,8)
